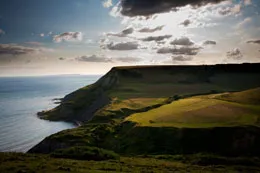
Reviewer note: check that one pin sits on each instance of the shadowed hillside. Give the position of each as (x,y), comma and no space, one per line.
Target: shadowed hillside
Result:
(153,82)
(164,110)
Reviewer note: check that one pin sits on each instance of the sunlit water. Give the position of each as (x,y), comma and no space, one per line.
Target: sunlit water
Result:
(22,97)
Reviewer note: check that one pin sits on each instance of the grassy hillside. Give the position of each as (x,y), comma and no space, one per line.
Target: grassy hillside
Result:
(161,112)
(251,96)
(17,162)
(174,125)
(215,110)
(153,82)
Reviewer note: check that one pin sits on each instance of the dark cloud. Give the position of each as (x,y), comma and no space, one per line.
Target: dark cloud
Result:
(209,42)
(149,7)
(183,41)
(121,46)
(149,30)
(234,54)
(68,36)
(128,59)
(186,22)
(128,31)
(12,49)
(93,58)
(156,38)
(181,58)
(254,41)
(179,51)
(123,33)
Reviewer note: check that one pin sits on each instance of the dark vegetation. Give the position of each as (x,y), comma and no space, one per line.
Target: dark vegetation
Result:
(85,153)
(28,163)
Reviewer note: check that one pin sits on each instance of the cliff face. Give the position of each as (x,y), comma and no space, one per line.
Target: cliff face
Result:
(227,141)
(80,105)
(153,81)
(123,91)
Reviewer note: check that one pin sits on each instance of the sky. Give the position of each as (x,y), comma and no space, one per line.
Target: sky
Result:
(49,37)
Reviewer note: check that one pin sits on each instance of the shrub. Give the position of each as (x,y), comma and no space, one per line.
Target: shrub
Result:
(85,153)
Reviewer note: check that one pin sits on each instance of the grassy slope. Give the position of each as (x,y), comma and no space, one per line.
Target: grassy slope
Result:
(143,90)
(16,162)
(228,109)
(142,82)
(110,130)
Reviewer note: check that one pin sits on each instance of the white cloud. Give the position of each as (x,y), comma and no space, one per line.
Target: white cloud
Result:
(247,2)
(244,23)
(68,36)
(42,34)
(236,9)
(107,3)
(2,32)
(115,11)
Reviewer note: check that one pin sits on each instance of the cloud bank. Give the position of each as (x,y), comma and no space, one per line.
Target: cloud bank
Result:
(179,51)
(13,49)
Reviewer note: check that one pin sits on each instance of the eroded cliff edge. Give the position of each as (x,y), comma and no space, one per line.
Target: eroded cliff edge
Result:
(153,81)
(104,106)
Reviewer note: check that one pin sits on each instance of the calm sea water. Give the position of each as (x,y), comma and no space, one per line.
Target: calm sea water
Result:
(22,97)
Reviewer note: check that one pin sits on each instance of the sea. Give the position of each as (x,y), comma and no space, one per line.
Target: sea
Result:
(20,100)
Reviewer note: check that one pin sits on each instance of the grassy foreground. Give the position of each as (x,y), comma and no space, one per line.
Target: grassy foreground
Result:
(29,163)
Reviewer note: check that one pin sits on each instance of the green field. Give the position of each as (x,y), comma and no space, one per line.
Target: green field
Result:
(228,109)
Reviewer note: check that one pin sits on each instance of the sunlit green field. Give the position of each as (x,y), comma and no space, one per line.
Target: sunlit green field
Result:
(204,111)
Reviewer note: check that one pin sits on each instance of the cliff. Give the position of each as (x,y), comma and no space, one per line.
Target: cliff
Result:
(164,110)
(153,82)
